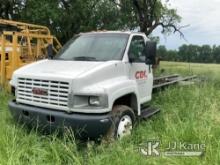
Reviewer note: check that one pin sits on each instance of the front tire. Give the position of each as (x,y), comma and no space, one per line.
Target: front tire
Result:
(123,119)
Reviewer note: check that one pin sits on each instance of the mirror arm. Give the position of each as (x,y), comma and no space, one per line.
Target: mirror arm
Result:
(50,51)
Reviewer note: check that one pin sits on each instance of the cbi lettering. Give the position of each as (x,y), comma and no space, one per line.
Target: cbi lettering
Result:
(141,75)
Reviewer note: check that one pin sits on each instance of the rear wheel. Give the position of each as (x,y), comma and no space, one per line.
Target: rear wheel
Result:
(123,119)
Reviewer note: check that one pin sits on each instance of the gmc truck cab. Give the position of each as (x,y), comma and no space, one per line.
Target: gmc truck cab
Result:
(96,85)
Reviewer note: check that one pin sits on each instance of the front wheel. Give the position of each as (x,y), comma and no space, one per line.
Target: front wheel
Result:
(123,119)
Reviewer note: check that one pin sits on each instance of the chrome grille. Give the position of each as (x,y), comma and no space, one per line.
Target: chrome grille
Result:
(57,92)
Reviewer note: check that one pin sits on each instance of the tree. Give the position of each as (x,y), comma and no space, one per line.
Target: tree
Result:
(10,8)
(66,17)
(162,52)
(188,53)
(150,14)
(172,55)
(216,54)
(205,53)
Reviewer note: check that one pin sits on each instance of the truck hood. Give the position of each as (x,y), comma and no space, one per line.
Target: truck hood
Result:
(54,68)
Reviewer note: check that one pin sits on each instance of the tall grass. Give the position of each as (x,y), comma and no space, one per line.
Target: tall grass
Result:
(188,114)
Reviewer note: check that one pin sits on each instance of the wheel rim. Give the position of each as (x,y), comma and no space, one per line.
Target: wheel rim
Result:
(124,127)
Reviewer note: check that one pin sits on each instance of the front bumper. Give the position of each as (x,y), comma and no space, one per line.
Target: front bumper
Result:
(83,125)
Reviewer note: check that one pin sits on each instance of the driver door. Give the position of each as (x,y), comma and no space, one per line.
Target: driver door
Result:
(139,71)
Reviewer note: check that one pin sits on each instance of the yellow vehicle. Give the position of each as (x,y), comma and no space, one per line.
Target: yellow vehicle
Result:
(21,44)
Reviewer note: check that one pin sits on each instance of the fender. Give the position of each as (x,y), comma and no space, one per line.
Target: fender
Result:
(122,89)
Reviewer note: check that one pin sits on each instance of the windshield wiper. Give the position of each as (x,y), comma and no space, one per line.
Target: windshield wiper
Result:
(85,58)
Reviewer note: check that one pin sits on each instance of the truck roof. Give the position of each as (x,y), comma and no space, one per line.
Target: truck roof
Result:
(113,32)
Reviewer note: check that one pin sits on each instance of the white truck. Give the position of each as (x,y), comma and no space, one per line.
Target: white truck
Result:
(96,85)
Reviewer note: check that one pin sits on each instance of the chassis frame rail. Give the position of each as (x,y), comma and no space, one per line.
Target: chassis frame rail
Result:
(170,80)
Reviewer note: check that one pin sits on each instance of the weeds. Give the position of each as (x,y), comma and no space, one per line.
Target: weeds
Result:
(188,114)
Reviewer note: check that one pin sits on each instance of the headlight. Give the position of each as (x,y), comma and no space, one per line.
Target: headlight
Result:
(82,101)
(94,101)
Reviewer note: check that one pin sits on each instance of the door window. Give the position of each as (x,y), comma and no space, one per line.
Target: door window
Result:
(136,50)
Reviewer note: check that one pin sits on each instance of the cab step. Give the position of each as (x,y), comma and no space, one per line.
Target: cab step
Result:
(148,112)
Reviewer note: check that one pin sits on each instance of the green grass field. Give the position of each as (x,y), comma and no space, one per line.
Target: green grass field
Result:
(188,114)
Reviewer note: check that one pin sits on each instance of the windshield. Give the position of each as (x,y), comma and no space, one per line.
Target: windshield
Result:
(94,47)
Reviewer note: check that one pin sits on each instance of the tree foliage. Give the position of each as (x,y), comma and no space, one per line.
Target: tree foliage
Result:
(153,13)
(66,17)
(191,53)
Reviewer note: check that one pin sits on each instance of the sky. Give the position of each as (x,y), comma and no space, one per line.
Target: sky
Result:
(203,18)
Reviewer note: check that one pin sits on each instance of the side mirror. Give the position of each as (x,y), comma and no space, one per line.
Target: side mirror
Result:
(50,51)
(150,53)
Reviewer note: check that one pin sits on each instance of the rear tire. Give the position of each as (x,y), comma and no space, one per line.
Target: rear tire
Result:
(123,119)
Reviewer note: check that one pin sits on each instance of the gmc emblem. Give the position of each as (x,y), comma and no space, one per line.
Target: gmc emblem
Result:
(40,91)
